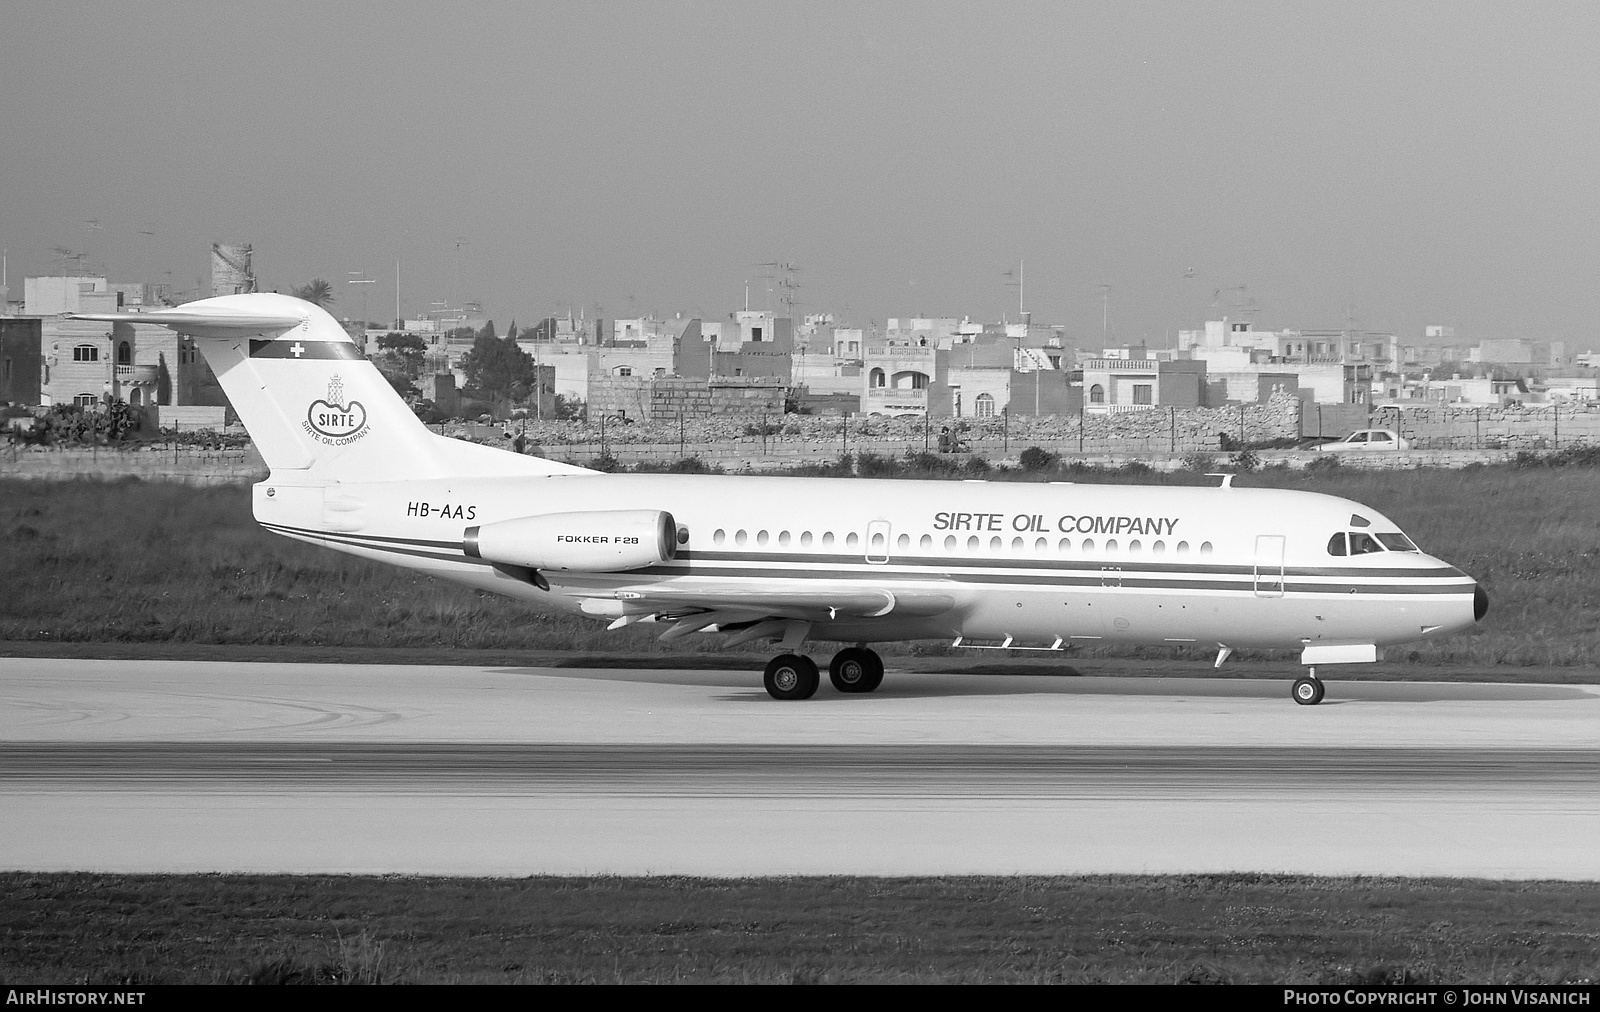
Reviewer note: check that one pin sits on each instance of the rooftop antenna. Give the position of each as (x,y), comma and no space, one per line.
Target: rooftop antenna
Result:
(360,278)
(787,268)
(455,286)
(63,255)
(1105,311)
(789,298)
(1017,284)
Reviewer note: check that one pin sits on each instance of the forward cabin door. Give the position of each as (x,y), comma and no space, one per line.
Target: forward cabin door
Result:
(1269,565)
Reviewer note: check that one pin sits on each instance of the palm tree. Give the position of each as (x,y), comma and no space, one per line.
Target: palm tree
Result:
(317,292)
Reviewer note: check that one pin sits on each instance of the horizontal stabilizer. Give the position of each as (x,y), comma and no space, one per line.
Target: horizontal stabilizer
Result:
(212,321)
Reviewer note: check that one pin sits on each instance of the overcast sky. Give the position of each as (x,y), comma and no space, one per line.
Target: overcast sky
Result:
(1395,164)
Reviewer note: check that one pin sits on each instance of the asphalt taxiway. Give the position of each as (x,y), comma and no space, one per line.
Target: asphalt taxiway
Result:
(213,766)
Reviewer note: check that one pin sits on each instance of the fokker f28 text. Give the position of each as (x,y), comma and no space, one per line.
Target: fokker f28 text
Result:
(795,560)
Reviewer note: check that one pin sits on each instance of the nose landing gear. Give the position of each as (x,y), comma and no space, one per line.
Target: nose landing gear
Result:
(1308,691)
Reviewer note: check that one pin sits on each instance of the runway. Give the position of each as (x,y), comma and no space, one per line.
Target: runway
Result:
(168,766)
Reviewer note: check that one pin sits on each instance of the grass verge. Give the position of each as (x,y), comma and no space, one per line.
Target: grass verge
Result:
(115,929)
(147,563)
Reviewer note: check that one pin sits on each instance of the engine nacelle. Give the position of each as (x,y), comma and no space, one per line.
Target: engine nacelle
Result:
(599,541)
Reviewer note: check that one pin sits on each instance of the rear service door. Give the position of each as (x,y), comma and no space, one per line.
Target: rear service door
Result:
(1269,565)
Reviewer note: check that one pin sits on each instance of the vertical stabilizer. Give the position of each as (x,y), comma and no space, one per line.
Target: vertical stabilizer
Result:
(312,402)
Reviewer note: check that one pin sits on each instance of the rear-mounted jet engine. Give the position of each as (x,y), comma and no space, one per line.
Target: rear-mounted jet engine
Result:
(600,541)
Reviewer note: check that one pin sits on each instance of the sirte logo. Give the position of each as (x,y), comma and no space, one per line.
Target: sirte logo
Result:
(333,421)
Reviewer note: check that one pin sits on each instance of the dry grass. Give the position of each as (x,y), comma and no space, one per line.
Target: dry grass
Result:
(1227,929)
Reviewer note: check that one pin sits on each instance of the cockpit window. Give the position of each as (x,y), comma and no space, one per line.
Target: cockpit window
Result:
(1336,544)
(1363,544)
(1397,543)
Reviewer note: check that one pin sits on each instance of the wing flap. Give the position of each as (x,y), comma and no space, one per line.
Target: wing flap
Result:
(815,603)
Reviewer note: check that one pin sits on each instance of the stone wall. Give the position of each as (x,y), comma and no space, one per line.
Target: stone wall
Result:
(628,396)
(722,415)
(1457,427)
(191,465)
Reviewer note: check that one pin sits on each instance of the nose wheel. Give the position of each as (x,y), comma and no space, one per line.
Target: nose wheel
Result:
(1308,691)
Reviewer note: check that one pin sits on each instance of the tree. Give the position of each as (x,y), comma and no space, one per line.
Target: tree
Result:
(496,368)
(400,360)
(316,291)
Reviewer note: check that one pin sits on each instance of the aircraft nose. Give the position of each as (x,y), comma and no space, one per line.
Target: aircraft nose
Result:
(1480,604)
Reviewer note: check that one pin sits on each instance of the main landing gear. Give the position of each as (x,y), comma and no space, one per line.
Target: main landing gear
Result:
(795,676)
(1308,691)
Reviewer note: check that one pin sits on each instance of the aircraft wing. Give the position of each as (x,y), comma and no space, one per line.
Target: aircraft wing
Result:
(806,602)
(215,321)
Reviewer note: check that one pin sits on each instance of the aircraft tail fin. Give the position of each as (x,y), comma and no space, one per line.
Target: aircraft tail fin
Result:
(311,401)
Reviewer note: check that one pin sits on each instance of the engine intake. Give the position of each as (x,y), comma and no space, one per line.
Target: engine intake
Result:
(599,541)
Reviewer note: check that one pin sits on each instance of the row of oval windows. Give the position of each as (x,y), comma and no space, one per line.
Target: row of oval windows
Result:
(878,546)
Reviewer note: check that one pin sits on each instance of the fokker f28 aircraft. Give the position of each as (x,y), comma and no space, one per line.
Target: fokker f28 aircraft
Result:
(790,560)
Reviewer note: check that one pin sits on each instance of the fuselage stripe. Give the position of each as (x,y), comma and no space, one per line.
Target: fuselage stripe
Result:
(1075,577)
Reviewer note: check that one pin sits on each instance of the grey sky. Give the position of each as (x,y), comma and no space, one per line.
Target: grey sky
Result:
(1408,163)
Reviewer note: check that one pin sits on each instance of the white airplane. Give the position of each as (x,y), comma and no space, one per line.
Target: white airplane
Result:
(790,560)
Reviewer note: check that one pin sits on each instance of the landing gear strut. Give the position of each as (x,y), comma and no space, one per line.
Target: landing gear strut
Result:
(1308,691)
(856,669)
(791,676)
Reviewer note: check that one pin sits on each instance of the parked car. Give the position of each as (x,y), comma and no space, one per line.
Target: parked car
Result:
(1366,441)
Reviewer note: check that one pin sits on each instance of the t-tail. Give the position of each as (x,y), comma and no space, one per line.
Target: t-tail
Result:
(314,406)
